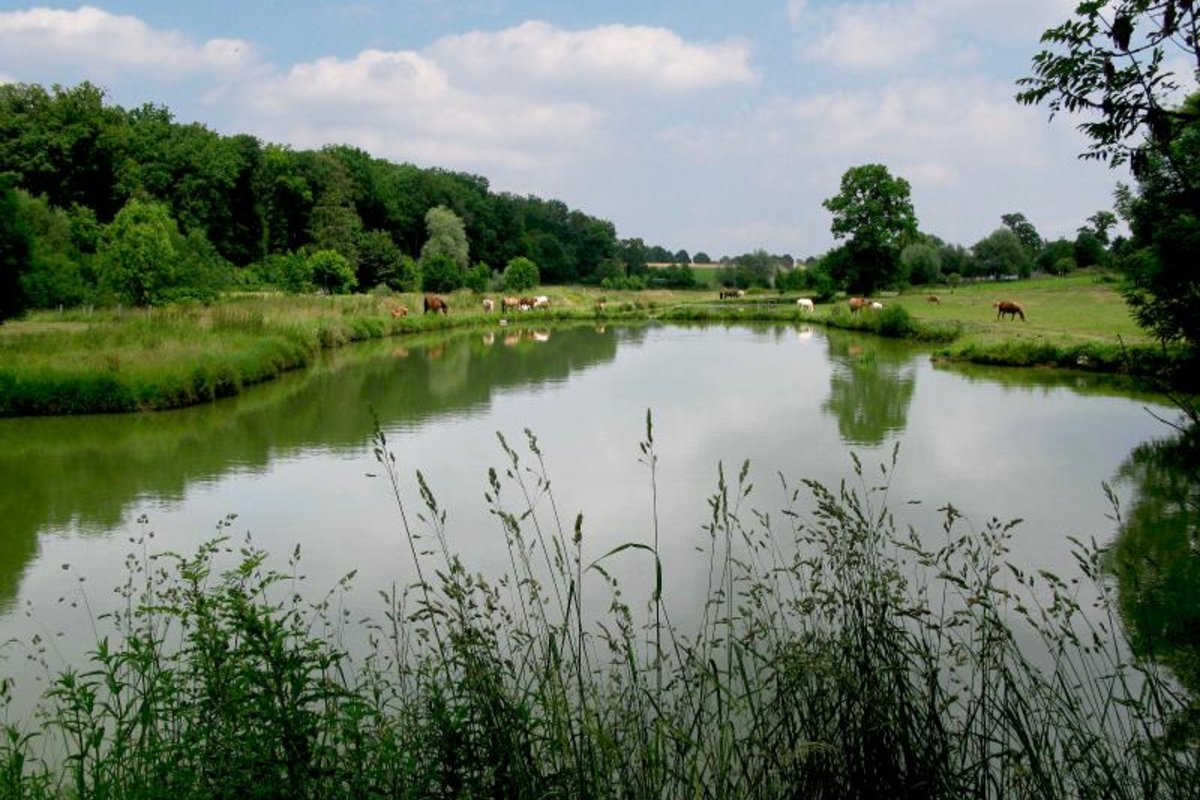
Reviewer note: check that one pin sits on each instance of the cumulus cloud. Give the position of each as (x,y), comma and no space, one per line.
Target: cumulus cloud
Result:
(104,42)
(633,57)
(404,104)
(869,37)
(909,119)
(866,36)
(968,150)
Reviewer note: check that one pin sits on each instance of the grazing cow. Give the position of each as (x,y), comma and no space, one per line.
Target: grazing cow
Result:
(933,298)
(399,311)
(1013,310)
(857,304)
(435,304)
(877,306)
(805,304)
(541,301)
(510,303)
(489,305)
(729,293)
(741,293)
(526,303)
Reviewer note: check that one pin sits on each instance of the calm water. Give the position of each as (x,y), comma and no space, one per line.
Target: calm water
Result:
(292,458)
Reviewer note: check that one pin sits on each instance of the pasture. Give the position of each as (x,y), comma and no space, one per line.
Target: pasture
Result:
(1068,310)
(83,361)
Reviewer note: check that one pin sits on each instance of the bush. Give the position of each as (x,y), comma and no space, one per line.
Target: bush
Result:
(630,283)
(521,274)
(441,273)
(478,278)
(895,321)
(331,272)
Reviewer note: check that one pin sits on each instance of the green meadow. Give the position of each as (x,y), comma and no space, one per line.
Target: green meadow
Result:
(121,360)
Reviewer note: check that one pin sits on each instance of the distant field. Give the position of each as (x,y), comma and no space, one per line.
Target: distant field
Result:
(706,274)
(1077,308)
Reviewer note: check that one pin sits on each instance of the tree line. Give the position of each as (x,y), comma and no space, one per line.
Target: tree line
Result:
(106,204)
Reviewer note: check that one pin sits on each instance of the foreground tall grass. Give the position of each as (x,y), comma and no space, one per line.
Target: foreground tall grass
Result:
(837,655)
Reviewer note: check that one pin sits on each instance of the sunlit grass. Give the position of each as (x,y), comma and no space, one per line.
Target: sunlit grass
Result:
(107,360)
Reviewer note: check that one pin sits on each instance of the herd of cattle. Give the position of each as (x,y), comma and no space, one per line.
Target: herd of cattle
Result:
(435,304)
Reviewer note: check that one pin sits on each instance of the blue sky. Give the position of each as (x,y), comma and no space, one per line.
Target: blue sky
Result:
(703,125)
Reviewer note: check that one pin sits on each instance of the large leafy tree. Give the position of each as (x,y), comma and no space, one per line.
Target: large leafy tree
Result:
(1025,231)
(1001,252)
(1112,64)
(1162,284)
(874,213)
(447,237)
(16,249)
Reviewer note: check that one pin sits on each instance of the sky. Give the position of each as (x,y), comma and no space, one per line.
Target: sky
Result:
(702,125)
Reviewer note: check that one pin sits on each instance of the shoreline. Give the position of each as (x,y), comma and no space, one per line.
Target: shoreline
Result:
(118,361)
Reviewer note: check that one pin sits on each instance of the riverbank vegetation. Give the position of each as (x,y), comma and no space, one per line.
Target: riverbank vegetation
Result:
(113,360)
(838,654)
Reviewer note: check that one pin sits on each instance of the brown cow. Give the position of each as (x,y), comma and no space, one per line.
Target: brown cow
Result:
(858,304)
(933,298)
(729,293)
(435,304)
(399,311)
(510,303)
(1013,310)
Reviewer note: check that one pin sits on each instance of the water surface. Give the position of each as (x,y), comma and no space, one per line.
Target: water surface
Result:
(293,459)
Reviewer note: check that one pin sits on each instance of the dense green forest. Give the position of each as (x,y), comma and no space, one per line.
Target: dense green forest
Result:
(98,198)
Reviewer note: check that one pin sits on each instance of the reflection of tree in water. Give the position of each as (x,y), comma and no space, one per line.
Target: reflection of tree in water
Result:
(871,388)
(1156,559)
(86,471)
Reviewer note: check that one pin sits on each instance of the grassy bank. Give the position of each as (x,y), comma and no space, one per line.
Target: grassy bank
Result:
(838,654)
(131,360)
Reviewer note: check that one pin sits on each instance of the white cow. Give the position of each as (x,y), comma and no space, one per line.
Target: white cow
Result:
(877,306)
(489,305)
(541,301)
(805,304)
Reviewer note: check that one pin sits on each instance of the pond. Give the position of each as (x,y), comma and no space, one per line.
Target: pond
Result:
(293,460)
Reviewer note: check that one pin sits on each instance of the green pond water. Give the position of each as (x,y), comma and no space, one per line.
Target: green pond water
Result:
(293,460)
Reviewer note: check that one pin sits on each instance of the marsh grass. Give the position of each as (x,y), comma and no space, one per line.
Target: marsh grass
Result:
(838,654)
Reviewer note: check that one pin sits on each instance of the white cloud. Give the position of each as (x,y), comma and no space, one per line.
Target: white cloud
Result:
(865,36)
(633,57)
(874,36)
(969,152)
(404,105)
(104,42)
(796,10)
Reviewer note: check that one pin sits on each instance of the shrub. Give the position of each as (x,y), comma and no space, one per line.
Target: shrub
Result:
(478,278)
(441,273)
(895,321)
(331,272)
(520,275)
